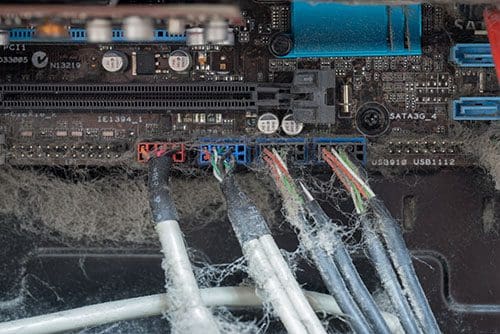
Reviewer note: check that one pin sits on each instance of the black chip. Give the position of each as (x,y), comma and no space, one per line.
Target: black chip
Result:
(145,63)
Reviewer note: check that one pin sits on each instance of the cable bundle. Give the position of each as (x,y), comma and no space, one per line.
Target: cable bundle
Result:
(335,265)
(188,313)
(396,269)
(266,265)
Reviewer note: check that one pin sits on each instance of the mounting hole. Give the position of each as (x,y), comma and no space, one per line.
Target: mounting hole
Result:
(372,119)
(281,45)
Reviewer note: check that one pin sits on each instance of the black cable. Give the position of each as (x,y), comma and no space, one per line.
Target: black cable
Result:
(247,222)
(401,261)
(160,200)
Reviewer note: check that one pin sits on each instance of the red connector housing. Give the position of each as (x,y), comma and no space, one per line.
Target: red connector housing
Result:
(145,150)
(492,19)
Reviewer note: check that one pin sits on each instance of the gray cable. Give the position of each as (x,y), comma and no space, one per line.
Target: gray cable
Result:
(336,286)
(388,277)
(349,272)
(401,261)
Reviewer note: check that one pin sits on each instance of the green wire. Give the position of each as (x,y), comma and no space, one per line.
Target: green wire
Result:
(345,159)
(291,189)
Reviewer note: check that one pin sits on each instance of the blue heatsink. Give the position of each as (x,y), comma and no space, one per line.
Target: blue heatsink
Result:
(80,35)
(335,30)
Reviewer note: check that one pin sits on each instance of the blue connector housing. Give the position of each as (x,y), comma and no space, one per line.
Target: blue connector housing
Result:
(356,147)
(79,35)
(298,148)
(476,109)
(239,148)
(472,55)
(21,34)
(328,29)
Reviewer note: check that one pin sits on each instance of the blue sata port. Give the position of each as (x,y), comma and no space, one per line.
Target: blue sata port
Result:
(238,147)
(472,55)
(476,109)
(327,29)
(80,35)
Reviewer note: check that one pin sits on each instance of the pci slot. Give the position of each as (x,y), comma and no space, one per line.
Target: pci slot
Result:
(79,35)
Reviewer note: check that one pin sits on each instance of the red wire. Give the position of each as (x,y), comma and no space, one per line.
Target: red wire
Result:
(277,162)
(334,163)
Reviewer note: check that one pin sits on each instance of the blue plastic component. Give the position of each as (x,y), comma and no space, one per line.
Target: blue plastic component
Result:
(472,55)
(356,147)
(297,147)
(476,109)
(21,34)
(327,29)
(240,151)
(80,35)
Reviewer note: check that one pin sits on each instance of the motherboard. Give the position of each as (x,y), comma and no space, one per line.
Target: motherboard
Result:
(411,87)
(92,93)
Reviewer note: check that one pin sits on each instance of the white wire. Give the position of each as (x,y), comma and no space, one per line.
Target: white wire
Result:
(216,160)
(154,305)
(260,268)
(289,283)
(189,314)
(356,177)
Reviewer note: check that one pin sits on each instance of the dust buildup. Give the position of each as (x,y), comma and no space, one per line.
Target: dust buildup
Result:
(483,143)
(113,207)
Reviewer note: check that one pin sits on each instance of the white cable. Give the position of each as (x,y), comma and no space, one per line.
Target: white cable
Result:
(154,305)
(292,288)
(261,270)
(189,314)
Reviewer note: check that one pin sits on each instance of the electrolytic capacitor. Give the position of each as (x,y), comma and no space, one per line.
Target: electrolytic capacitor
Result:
(195,36)
(99,31)
(179,61)
(268,123)
(138,29)
(4,37)
(114,61)
(290,126)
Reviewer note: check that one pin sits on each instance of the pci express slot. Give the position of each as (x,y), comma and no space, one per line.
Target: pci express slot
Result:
(138,97)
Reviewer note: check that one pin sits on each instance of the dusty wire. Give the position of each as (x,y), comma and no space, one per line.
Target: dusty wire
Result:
(362,308)
(398,253)
(266,264)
